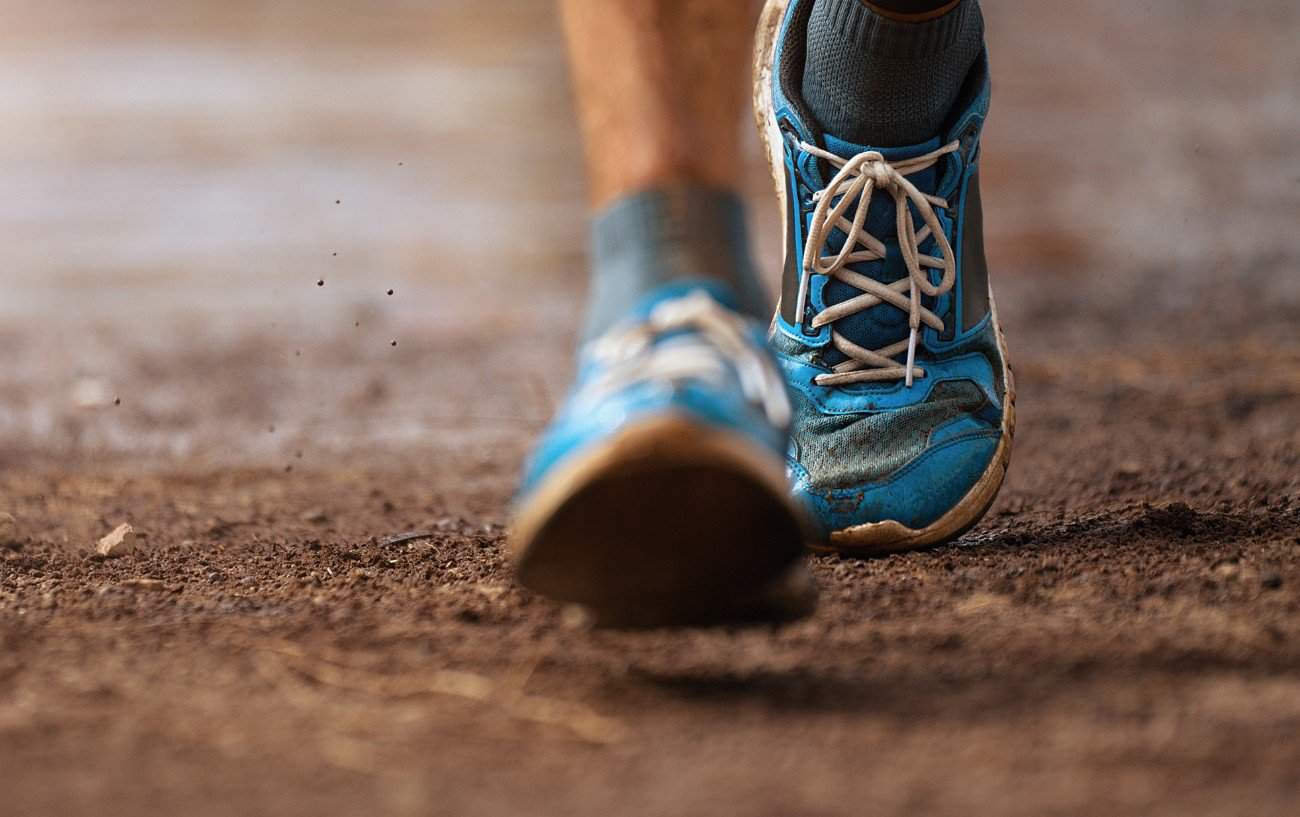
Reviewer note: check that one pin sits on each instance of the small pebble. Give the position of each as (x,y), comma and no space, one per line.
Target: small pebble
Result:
(144,584)
(394,343)
(390,292)
(315,516)
(320,282)
(118,543)
(574,617)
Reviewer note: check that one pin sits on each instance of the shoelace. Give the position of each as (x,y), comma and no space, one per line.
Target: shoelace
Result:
(632,355)
(857,179)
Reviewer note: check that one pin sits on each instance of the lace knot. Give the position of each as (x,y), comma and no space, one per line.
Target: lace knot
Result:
(875,169)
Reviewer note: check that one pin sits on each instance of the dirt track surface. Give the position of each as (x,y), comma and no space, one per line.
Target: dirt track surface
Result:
(1120,636)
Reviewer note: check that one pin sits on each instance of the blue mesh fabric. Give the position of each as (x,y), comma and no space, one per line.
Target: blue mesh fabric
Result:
(844,451)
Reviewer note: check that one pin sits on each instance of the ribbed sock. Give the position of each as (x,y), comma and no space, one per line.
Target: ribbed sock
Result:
(883,82)
(668,235)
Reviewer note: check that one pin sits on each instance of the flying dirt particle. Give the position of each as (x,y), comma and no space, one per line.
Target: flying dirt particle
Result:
(338,201)
(8,531)
(117,401)
(288,468)
(297,353)
(356,324)
(320,282)
(270,429)
(394,343)
(399,164)
(336,255)
(119,542)
(390,292)
(298,454)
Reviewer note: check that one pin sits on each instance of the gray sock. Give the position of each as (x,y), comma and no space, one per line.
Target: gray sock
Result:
(669,235)
(887,83)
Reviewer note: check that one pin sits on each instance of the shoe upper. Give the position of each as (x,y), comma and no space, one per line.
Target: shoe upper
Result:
(885,329)
(683,351)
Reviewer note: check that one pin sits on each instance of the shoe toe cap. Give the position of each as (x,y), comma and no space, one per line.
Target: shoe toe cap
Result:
(915,495)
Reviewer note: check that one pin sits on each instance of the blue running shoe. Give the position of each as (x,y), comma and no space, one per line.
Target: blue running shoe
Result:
(658,495)
(904,407)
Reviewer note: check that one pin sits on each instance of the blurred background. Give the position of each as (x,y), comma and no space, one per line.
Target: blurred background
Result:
(204,205)
(179,177)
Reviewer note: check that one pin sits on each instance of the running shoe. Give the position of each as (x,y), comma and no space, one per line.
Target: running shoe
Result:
(658,496)
(887,332)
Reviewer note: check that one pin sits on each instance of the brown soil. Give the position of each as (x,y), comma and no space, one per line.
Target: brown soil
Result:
(1121,635)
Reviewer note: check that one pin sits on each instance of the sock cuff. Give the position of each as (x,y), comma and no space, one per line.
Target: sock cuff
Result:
(643,222)
(666,235)
(896,39)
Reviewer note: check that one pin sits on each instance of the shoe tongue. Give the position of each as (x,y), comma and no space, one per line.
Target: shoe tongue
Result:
(846,149)
(926,180)
(883,324)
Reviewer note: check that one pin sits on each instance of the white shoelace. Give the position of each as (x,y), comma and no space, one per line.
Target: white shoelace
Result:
(631,354)
(856,180)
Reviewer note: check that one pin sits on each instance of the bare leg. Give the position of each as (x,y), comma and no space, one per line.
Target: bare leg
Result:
(661,88)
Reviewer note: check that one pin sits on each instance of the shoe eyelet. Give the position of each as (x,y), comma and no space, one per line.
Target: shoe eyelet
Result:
(969,142)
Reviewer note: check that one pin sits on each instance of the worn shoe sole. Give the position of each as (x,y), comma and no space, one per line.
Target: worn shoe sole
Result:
(669,523)
(887,536)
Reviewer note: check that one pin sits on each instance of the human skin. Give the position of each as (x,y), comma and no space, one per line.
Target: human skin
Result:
(661,88)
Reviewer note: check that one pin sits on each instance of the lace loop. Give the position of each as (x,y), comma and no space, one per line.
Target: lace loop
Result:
(855,181)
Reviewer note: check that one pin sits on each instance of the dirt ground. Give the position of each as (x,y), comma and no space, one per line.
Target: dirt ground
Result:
(1120,636)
